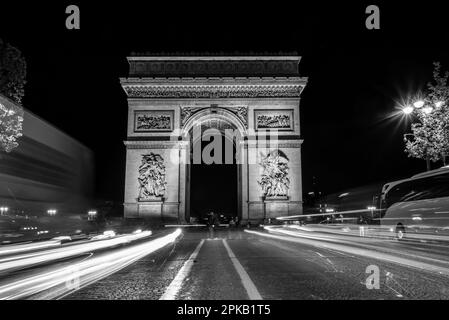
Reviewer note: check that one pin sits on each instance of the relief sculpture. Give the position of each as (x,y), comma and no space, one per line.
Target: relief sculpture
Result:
(274,180)
(151,178)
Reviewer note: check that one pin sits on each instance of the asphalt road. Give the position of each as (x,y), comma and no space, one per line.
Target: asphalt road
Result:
(234,264)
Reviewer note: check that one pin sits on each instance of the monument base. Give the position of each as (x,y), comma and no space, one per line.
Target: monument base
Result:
(150,208)
(276,206)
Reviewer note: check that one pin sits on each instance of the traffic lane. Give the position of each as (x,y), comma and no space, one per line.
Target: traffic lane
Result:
(279,269)
(285,270)
(145,279)
(55,280)
(20,284)
(436,254)
(213,276)
(67,251)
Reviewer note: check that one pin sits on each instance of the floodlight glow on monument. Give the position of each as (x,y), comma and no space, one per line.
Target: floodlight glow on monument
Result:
(418,104)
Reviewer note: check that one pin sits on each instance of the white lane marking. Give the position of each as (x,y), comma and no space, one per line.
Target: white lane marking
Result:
(251,289)
(173,289)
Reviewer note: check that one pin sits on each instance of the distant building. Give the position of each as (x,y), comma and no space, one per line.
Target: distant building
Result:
(48,170)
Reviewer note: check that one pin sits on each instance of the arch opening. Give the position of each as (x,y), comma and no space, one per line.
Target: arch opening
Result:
(213,174)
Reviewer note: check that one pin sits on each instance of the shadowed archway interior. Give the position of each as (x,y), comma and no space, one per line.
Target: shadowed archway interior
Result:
(213,187)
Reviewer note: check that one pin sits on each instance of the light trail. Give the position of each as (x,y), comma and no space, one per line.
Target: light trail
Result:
(65,280)
(333,213)
(23,247)
(414,232)
(351,248)
(63,252)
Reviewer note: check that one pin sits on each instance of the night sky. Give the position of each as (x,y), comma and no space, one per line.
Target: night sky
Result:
(356,76)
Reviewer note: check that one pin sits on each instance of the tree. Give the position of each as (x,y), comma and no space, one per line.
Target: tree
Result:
(12,72)
(10,127)
(431,130)
(12,82)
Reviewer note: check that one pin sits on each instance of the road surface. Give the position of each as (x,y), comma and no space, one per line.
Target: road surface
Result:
(272,264)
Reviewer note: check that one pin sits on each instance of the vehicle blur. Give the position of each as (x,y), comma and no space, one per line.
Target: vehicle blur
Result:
(418,205)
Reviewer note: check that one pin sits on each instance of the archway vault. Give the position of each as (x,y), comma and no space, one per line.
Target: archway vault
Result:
(168,96)
(215,186)
(208,115)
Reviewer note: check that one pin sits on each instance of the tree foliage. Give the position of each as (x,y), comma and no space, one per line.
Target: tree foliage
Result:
(12,72)
(430,131)
(10,127)
(12,82)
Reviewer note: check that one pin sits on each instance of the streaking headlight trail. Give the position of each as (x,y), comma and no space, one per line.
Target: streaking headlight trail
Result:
(64,280)
(34,258)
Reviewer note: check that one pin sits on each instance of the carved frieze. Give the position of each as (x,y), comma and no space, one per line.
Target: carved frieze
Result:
(153,120)
(273,119)
(212,91)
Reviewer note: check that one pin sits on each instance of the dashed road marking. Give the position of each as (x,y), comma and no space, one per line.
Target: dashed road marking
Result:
(250,288)
(175,286)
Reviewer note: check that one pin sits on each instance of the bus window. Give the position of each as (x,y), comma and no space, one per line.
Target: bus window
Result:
(420,189)
(398,193)
(431,187)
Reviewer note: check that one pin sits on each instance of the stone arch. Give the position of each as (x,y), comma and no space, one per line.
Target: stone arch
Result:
(217,113)
(223,116)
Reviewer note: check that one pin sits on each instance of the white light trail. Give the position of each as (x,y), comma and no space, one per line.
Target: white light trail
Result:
(65,280)
(326,214)
(354,250)
(63,252)
(23,247)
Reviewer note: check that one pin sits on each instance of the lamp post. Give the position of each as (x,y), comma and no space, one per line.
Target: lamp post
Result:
(3,210)
(371,208)
(91,215)
(425,108)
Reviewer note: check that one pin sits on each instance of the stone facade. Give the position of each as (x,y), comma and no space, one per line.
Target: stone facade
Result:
(254,95)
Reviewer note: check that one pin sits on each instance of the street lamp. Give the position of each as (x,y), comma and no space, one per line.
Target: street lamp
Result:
(91,214)
(371,208)
(418,104)
(3,210)
(407,110)
(421,106)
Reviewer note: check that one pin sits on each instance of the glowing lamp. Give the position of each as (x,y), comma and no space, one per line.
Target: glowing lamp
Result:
(407,110)
(418,104)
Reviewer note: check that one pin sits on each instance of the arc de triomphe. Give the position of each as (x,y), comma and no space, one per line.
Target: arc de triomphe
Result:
(256,96)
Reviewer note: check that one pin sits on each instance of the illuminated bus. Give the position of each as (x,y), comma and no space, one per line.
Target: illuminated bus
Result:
(418,206)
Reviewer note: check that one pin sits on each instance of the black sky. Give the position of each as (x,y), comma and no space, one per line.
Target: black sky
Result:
(355,75)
